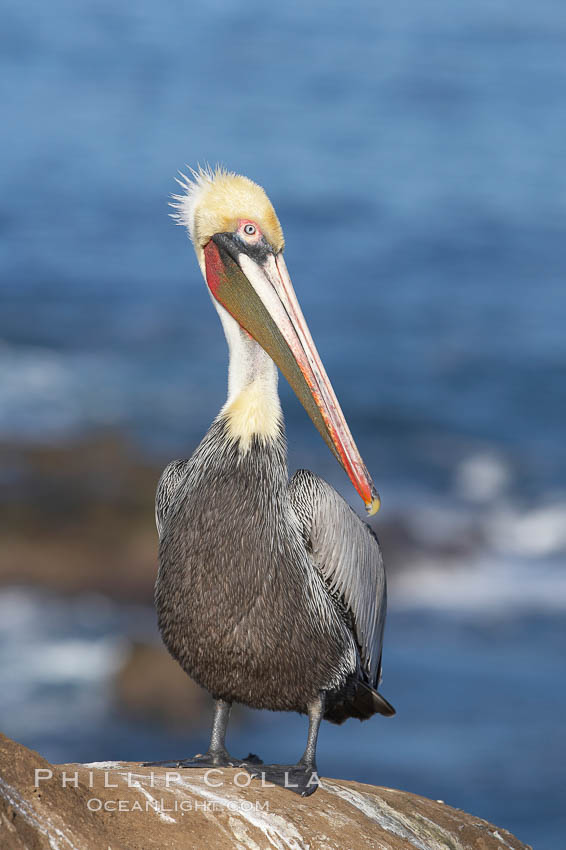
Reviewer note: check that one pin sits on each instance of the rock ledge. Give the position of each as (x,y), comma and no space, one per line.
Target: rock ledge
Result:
(121,806)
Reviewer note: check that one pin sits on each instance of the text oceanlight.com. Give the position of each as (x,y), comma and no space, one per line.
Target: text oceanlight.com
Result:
(165,807)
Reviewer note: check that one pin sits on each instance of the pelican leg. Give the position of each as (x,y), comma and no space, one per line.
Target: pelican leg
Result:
(217,755)
(301,778)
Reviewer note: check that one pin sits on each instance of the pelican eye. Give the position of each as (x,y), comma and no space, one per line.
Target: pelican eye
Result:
(249,229)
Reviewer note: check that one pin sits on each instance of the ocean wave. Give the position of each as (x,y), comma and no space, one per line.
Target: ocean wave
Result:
(539,532)
(482,551)
(480,586)
(482,476)
(51,393)
(58,657)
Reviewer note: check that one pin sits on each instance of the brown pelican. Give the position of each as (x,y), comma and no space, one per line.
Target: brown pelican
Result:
(270,591)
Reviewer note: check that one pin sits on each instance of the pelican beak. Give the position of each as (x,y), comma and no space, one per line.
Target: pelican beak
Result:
(253,285)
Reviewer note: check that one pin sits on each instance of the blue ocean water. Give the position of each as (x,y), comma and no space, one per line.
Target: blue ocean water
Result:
(415,155)
(415,159)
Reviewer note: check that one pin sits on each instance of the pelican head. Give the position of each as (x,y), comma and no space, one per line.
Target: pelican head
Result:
(239,245)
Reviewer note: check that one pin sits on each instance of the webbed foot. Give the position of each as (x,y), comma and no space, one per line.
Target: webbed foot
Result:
(300,778)
(218,759)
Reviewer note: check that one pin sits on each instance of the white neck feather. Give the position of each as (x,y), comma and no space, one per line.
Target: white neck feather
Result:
(252,407)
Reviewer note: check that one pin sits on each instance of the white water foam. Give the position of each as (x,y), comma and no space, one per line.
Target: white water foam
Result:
(481,585)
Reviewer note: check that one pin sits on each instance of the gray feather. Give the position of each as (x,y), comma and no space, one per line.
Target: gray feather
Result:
(173,474)
(346,552)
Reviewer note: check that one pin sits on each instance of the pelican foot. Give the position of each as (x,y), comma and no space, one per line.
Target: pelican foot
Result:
(222,759)
(300,778)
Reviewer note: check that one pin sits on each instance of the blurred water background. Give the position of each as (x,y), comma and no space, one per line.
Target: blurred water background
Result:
(415,155)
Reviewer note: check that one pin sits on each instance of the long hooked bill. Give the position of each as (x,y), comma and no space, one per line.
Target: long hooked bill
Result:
(260,296)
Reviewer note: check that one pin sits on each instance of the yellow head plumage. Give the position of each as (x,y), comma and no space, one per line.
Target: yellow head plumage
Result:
(215,201)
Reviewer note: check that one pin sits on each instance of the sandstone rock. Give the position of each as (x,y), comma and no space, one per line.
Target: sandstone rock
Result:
(79,518)
(168,696)
(111,806)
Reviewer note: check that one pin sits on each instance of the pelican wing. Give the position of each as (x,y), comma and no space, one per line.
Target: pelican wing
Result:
(346,552)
